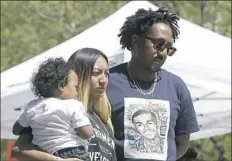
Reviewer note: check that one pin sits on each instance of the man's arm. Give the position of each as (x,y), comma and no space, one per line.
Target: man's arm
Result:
(182,142)
(186,122)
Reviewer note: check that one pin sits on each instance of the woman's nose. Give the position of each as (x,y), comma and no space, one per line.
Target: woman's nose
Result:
(103,79)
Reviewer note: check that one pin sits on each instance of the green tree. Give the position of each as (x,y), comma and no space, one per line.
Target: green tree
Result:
(214,15)
(31,27)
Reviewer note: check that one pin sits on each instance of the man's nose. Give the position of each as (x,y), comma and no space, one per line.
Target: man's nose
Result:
(163,52)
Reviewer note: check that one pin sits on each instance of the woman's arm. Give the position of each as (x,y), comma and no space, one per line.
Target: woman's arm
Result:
(17,128)
(24,150)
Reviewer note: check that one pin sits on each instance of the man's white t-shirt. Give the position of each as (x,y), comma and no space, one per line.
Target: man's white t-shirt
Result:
(53,121)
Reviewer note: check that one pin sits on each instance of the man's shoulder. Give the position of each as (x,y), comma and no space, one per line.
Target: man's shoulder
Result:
(117,73)
(175,79)
(117,80)
(118,69)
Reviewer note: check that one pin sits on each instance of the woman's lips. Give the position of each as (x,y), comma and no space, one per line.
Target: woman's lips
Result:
(101,89)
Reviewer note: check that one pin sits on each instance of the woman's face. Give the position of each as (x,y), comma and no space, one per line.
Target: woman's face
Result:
(99,79)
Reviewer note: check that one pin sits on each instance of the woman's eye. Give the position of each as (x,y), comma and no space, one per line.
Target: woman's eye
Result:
(107,74)
(96,73)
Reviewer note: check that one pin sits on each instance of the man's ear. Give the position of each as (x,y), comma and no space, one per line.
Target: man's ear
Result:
(134,40)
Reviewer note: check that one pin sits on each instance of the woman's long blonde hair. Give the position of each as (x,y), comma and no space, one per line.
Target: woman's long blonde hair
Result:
(82,62)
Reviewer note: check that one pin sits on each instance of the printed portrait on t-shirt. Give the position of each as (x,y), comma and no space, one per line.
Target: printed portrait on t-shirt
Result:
(146,128)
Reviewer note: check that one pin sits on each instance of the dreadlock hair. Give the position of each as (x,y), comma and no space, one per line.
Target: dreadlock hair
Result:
(141,22)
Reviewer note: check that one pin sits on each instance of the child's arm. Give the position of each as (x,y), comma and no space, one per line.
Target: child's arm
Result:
(80,122)
(85,132)
(17,128)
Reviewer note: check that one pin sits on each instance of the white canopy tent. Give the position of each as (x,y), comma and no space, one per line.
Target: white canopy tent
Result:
(203,61)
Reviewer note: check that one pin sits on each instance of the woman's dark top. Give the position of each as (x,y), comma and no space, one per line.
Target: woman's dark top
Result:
(102,146)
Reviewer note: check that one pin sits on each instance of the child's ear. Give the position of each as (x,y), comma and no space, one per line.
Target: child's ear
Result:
(60,87)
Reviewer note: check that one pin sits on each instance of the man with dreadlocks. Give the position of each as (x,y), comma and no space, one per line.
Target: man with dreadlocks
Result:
(143,84)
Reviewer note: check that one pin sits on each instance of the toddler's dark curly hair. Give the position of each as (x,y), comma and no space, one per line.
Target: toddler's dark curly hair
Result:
(51,74)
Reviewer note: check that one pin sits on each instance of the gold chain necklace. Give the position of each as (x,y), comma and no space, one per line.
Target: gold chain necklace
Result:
(136,84)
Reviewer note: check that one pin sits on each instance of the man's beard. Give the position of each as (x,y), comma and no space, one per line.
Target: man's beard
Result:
(152,68)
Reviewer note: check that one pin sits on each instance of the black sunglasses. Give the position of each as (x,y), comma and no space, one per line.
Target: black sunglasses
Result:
(160,44)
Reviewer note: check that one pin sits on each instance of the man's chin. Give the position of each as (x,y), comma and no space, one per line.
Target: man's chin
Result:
(154,68)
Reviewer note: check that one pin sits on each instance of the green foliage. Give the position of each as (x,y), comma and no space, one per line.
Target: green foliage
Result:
(213,149)
(214,15)
(31,27)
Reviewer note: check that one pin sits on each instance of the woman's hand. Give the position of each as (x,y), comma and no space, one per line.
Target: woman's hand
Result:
(24,150)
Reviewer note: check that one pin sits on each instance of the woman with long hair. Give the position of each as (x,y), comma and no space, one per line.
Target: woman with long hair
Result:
(91,66)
